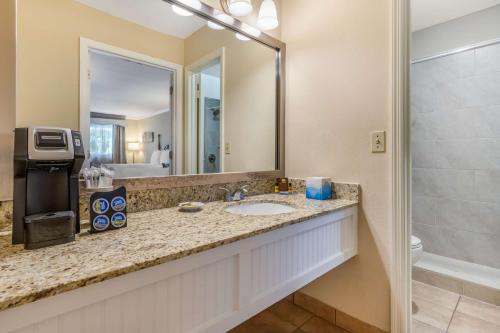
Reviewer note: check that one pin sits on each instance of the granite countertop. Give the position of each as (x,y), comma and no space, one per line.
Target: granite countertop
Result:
(151,238)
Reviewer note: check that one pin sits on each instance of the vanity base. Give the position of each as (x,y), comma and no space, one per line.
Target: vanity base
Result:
(212,291)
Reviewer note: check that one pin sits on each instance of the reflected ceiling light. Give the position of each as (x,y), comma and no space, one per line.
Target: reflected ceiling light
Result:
(181,11)
(222,17)
(215,26)
(195,4)
(250,30)
(242,37)
(268,15)
(240,7)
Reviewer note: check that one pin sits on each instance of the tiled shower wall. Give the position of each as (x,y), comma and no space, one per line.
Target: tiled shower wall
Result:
(455,123)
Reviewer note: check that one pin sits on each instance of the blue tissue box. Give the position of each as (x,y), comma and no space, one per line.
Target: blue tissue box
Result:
(319,188)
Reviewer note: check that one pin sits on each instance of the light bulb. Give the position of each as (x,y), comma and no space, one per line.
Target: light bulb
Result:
(268,15)
(240,7)
(242,37)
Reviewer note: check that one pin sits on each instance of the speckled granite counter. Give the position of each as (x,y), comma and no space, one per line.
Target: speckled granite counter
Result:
(151,238)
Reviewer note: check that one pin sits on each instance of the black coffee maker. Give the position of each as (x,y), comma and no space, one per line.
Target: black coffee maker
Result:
(47,163)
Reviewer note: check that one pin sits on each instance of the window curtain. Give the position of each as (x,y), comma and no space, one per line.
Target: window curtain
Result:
(101,143)
(107,144)
(119,153)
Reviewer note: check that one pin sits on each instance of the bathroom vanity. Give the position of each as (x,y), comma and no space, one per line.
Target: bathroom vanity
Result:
(176,272)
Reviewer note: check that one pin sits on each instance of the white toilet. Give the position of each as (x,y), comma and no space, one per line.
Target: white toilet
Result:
(416,249)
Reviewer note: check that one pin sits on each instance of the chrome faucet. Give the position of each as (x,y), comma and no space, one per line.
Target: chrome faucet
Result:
(237,195)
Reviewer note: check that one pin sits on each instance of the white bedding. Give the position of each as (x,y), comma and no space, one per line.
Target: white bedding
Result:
(138,170)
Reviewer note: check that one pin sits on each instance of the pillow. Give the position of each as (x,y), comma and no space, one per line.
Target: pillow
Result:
(165,157)
(155,157)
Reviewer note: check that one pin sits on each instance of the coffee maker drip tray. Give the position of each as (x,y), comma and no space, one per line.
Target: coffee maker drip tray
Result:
(49,229)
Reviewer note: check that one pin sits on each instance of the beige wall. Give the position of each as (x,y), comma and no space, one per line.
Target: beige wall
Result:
(48,55)
(159,124)
(338,91)
(133,134)
(249,97)
(7,94)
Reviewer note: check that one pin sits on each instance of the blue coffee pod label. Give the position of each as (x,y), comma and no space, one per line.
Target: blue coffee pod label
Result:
(118,220)
(118,204)
(101,222)
(100,206)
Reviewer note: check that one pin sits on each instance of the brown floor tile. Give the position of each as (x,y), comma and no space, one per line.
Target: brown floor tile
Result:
(419,327)
(265,322)
(352,324)
(479,310)
(318,325)
(291,313)
(431,313)
(440,297)
(463,323)
(314,306)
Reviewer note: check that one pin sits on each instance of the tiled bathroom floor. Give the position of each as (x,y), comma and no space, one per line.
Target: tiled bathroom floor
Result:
(437,311)
(286,317)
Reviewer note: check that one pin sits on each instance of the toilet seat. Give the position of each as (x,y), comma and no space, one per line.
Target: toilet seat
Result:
(415,242)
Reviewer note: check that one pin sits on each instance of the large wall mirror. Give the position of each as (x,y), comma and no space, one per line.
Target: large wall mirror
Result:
(156,87)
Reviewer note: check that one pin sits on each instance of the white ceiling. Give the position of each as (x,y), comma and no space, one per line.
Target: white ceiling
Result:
(130,89)
(153,14)
(426,13)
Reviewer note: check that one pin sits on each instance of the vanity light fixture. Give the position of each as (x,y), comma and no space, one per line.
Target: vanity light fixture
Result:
(240,7)
(195,4)
(268,15)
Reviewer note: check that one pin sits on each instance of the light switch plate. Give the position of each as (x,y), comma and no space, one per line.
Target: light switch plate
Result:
(378,142)
(227,148)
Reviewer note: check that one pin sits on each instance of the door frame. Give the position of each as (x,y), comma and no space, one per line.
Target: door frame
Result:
(192,154)
(401,312)
(88,45)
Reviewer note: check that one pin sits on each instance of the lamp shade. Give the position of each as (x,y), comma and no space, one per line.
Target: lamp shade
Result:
(240,7)
(133,146)
(268,15)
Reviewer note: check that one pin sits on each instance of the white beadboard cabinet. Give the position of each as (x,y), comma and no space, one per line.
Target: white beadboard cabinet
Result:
(211,291)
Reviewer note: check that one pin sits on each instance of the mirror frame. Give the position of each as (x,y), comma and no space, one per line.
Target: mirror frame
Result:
(208,13)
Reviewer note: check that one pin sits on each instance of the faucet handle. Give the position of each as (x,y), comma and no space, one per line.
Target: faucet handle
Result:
(228,196)
(244,188)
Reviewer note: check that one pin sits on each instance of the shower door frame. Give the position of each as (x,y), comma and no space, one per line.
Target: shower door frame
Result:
(401,170)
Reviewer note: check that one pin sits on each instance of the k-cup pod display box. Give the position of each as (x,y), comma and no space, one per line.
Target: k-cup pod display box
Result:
(108,210)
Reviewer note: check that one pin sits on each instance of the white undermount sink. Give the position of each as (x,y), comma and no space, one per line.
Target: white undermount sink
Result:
(259,209)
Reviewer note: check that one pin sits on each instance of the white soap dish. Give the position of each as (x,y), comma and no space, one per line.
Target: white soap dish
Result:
(191,207)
